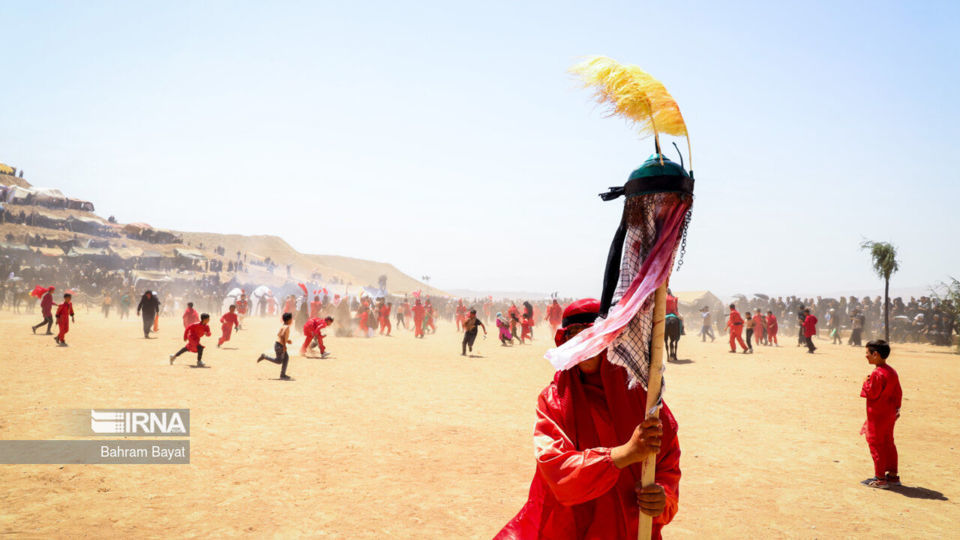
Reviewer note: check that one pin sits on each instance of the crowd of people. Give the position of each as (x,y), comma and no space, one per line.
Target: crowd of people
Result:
(849,319)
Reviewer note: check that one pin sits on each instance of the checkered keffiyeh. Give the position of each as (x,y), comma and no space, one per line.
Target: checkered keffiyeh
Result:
(654,223)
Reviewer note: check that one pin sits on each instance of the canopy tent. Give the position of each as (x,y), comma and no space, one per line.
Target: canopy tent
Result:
(6,169)
(694,300)
(146,275)
(14,247)
(126,252)
(17,194)
(189,254)
(49,196)
(76,251)
(231,298)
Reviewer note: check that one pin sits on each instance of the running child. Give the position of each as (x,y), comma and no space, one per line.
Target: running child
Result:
(280,347)
(192,336)
(228,322)
(469,326)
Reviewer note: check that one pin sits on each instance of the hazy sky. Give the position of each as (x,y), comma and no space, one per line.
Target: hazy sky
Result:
(450,141)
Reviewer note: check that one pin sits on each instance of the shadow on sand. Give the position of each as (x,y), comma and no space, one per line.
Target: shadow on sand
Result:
(680,361)
(916,492)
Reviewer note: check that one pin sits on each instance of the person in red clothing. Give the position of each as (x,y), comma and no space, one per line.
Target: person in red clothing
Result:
(385,325)
(590,439)
(809,330)
(190,316)
(312,330)
(315,307)
(883,393)
(673,308)
(46,307)
(418,313)
(228,323)
(772,328)
(525,329)
(64,316)
(461,314)
(554,316)
(735,325)
(363,317)
(192,336)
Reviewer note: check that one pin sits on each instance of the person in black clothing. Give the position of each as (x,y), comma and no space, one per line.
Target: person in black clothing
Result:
(149,306)
(801,316)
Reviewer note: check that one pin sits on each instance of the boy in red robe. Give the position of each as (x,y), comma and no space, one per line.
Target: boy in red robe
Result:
(418,314)
(590,439)
(312,330)
(554,315)
(64,316)
(385,319)
(190,316)
(192,336)
(883,393)
(735,324)
(228,322)
(809,330)
(772,328)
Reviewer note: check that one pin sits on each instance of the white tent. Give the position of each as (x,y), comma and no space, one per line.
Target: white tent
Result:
(17,194)
(231,298)
(260,294)
(50,195)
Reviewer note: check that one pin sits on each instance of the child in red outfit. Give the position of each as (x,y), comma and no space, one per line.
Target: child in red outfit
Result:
(883,393)
(192,336)
(64,316)
(228,322)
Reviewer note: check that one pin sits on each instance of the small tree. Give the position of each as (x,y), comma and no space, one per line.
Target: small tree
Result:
(885,263)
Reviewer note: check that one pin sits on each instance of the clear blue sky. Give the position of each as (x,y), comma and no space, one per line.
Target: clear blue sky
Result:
(450,141)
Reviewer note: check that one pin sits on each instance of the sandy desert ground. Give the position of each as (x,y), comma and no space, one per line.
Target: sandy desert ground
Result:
(403,438)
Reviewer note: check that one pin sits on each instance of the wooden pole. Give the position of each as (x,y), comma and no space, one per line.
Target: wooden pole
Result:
(645,526)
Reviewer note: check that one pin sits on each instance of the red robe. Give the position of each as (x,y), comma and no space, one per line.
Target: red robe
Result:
(64,312)
(46,304)
(554,315)
(418,313)
(735,324)
(577,491)
(228,322)
(190,316)
(672,305)
(385,325)
(810,326)
(193,333)
(312,329)
(884,396)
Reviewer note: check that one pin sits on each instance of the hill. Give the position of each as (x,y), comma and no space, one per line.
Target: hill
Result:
(267,259)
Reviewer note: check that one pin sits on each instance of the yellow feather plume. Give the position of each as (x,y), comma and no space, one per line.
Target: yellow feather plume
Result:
(632,93)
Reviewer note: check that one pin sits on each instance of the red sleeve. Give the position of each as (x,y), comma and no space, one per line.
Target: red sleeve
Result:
(206,330)
(573,476)
(873,386)
(186,333)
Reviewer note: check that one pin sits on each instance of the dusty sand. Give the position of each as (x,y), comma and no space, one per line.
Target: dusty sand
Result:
(402,438)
